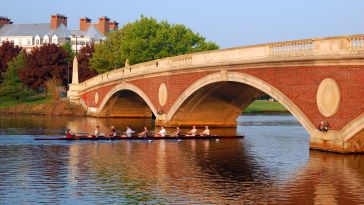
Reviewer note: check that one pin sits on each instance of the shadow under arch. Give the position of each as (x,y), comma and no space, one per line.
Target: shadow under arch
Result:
(256,86)
(139,103)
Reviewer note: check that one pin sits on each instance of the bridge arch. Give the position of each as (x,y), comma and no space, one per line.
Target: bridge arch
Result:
(354,130)
(241,78)
(125,87)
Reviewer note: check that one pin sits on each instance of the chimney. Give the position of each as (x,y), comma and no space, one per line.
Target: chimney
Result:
(114,26)
(4,20)
(57,20)
(84,23)
(104,24)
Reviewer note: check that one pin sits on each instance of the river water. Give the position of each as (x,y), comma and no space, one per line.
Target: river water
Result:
(271,165)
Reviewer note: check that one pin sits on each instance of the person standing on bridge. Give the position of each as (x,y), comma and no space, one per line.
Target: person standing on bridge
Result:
(192,132)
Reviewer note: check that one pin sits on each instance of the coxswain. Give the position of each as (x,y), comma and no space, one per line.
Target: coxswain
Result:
(192,132)
(206,132)
(69,134)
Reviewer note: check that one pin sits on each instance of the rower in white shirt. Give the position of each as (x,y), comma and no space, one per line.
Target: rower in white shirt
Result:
(162,132)
(129,132)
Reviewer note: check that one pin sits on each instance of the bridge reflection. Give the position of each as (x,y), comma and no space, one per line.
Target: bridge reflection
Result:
(201,168)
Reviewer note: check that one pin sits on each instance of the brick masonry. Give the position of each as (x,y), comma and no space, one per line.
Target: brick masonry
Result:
(298,83)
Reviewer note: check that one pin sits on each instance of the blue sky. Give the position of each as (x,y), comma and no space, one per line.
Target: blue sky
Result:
(229,23)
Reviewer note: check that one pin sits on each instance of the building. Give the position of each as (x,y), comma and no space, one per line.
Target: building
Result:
(29,36)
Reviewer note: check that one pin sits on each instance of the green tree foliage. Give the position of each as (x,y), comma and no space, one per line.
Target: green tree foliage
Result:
(68,48)
(44,63)
(84,69)
(12,86)
(7,52)
(144,40)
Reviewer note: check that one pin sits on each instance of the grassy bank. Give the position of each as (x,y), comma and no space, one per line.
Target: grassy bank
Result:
(264,106)
(6,102)
(39,105)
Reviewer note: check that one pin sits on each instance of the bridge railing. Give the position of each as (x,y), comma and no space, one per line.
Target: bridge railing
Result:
(281,51)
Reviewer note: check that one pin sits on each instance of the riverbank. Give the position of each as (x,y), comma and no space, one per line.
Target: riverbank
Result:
(265,107)
(40,105)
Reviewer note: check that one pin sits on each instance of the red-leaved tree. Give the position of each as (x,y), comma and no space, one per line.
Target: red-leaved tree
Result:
(43,63)
(7,52)
(84,69)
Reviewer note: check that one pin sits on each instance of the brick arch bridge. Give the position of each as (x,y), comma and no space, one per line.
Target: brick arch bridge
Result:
(315,79)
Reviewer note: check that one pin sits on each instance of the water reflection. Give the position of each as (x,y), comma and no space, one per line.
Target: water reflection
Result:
(272,165)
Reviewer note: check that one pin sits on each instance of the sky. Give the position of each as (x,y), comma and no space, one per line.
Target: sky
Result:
(229,23)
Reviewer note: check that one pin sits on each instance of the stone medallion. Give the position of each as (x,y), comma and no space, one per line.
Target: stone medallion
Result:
(162,94)
(328,97)
(96,98)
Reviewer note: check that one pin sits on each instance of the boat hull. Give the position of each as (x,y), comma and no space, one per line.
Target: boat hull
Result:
(139,138)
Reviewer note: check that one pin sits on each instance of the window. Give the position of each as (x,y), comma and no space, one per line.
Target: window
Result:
(55,39)
(28,42)
(37,41)
(20,42)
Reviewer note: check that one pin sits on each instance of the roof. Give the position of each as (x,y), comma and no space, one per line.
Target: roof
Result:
(61,32)
(91,32)
(25,29)
(43,29)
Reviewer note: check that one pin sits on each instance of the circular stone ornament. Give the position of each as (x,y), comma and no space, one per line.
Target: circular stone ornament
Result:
(328,97)
(96,98)
(162,94)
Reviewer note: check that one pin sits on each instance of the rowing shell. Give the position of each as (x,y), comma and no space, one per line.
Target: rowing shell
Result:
(139,138)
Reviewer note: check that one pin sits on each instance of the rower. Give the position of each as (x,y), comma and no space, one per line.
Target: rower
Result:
(112,132)
(144,133)
(129,132)
(176,133)
(192,132)
(69,134)
(161,133)
(206,132)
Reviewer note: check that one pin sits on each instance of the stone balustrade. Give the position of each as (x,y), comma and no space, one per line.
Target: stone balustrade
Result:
(356,42)
(264,53)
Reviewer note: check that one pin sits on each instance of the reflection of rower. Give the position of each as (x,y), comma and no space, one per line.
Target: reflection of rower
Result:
(206,132)
(192,132)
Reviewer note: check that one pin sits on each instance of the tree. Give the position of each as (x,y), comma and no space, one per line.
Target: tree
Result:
(12,86)
(144,40)
(68,48)
(44,63)
(7,52)
(84,69)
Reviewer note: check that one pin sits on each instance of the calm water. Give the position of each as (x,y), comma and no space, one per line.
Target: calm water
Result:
(271,165)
